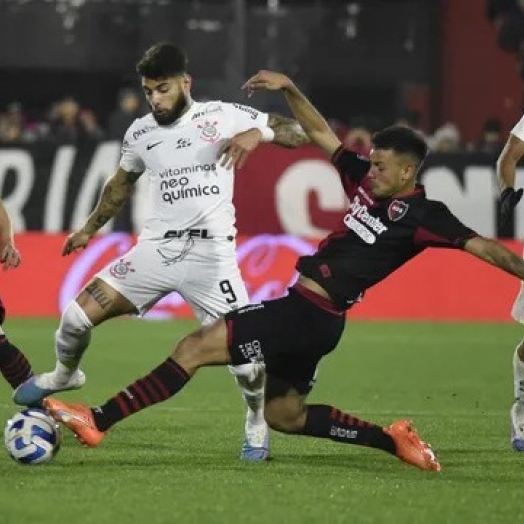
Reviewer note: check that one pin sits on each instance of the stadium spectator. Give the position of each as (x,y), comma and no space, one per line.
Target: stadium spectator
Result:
(127,112)
(491,141)
(70,123)
(446,139)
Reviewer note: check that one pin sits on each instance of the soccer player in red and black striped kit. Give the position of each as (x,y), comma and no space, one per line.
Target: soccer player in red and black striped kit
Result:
(389,221)
(14,366)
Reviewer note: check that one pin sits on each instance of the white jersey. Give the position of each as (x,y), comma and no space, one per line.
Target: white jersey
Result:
(188,189)
(518,129)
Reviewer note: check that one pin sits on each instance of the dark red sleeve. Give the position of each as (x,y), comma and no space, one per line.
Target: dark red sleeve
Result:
(439,227)
(351,167)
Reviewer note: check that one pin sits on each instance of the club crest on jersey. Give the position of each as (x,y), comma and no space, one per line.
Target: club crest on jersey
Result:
(397,209)
(120,269)
(209,131)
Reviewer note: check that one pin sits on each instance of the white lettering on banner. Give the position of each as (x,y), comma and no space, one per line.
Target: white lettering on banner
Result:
(473,202)
(102,166)
(292,192)
(57,189)
(21,163)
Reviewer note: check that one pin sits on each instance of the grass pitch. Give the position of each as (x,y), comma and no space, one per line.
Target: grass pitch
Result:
(178,461)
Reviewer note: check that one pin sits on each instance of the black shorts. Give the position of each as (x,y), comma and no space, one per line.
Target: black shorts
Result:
(290,335)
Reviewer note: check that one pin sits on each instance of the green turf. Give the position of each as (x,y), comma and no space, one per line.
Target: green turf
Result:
(178,462)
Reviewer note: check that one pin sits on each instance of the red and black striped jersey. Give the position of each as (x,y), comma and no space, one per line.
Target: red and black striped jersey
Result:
(377,236)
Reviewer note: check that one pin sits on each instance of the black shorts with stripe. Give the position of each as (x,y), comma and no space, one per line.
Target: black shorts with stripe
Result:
(290,335)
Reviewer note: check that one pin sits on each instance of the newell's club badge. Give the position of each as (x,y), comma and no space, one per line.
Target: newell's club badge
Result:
(209,131)
(397,209)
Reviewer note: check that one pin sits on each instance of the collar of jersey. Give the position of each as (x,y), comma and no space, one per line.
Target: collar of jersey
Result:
(186,117)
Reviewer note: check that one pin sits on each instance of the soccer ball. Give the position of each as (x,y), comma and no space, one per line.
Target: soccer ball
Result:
(32,437)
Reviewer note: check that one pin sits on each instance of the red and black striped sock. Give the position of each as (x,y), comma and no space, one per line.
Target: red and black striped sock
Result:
(14,365)
(329,422)
(159,385)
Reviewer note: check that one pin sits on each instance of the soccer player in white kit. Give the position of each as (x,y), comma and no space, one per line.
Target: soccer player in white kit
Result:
(188,150)
(512,152)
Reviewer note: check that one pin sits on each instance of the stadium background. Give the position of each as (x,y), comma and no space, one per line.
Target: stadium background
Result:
(437,65)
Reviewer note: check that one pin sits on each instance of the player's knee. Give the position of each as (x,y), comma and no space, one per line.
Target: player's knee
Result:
(74,321)
(284,418)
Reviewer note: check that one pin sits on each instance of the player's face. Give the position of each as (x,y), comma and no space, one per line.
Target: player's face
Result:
(168,97)
(390,173)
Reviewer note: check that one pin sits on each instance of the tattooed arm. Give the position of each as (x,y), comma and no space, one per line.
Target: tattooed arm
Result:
(496,254)
(117,190)
(288,132)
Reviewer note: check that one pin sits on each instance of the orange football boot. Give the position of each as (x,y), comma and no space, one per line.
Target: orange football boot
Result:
(78,418)
(410,447)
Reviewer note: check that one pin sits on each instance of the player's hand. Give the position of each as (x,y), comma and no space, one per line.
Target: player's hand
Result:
(269,80)
(10,256)
(509,198)
(75,242)
(235,151)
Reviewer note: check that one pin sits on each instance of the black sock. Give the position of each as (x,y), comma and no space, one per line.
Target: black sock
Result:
(329,422)
(14,365)
(159,385)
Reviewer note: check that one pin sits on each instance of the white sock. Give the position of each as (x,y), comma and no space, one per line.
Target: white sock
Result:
(251,380)
(518,376)
(71,340)
(62,374)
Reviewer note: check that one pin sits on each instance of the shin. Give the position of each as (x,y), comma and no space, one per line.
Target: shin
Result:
(72,337)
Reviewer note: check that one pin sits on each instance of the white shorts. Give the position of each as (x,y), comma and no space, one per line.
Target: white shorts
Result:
(203,271)
(518,307)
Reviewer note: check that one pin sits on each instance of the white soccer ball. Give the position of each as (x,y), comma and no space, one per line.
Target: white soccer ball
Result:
(32,437)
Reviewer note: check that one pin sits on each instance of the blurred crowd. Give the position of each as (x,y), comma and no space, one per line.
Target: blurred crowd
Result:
(67,121)
(444,139)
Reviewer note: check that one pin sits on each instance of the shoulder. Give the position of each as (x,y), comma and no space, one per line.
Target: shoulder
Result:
(140,127)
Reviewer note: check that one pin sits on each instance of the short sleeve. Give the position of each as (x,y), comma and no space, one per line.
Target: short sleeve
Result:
(130,161)
(439,227)
(518,130)
(351,166)
(246,117)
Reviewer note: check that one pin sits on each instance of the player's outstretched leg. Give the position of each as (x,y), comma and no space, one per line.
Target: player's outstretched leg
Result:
(90,424)
(321,421)
(517,410)
(71,340)
(250,379)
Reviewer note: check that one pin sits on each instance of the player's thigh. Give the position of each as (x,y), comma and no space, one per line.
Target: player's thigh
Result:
(141,277)
(100,301)
(213,290)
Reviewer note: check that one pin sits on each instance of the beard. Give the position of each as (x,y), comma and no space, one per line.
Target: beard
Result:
(167,117)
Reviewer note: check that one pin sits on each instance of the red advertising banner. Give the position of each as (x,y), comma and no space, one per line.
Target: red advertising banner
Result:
(438,285)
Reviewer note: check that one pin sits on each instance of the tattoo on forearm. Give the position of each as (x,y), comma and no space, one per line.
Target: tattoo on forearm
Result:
(116,191)
(288,132)
(99,295)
